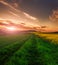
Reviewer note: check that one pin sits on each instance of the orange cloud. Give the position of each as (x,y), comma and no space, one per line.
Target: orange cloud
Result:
(54,16)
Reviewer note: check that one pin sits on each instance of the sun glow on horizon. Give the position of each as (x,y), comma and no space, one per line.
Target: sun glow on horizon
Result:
(11,28)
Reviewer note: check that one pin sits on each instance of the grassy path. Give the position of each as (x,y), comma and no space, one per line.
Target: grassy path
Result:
(47,51)
(33,51)
(7,51)
(26,55)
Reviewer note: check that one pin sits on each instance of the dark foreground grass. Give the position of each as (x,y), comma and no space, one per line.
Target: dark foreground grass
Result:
(34,51)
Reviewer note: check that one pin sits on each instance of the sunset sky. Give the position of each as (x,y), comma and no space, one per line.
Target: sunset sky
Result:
(30,12)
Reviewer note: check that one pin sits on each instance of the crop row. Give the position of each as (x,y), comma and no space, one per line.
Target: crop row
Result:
(7,51)
(35,51)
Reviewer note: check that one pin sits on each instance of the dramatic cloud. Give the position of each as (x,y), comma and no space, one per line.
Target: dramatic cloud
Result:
(30,12)
(27,15)
(16,15)
(5,3)
(54,16)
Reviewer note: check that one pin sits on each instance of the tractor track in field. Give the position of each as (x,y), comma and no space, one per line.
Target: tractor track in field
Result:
(7,43)
(36,51)
(8,55)
(31,47)
(32,52)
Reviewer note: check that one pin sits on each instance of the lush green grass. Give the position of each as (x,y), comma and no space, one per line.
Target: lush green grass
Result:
(10,44)
(28,49)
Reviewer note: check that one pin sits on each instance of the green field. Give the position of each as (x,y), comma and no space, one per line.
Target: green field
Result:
(28,49)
